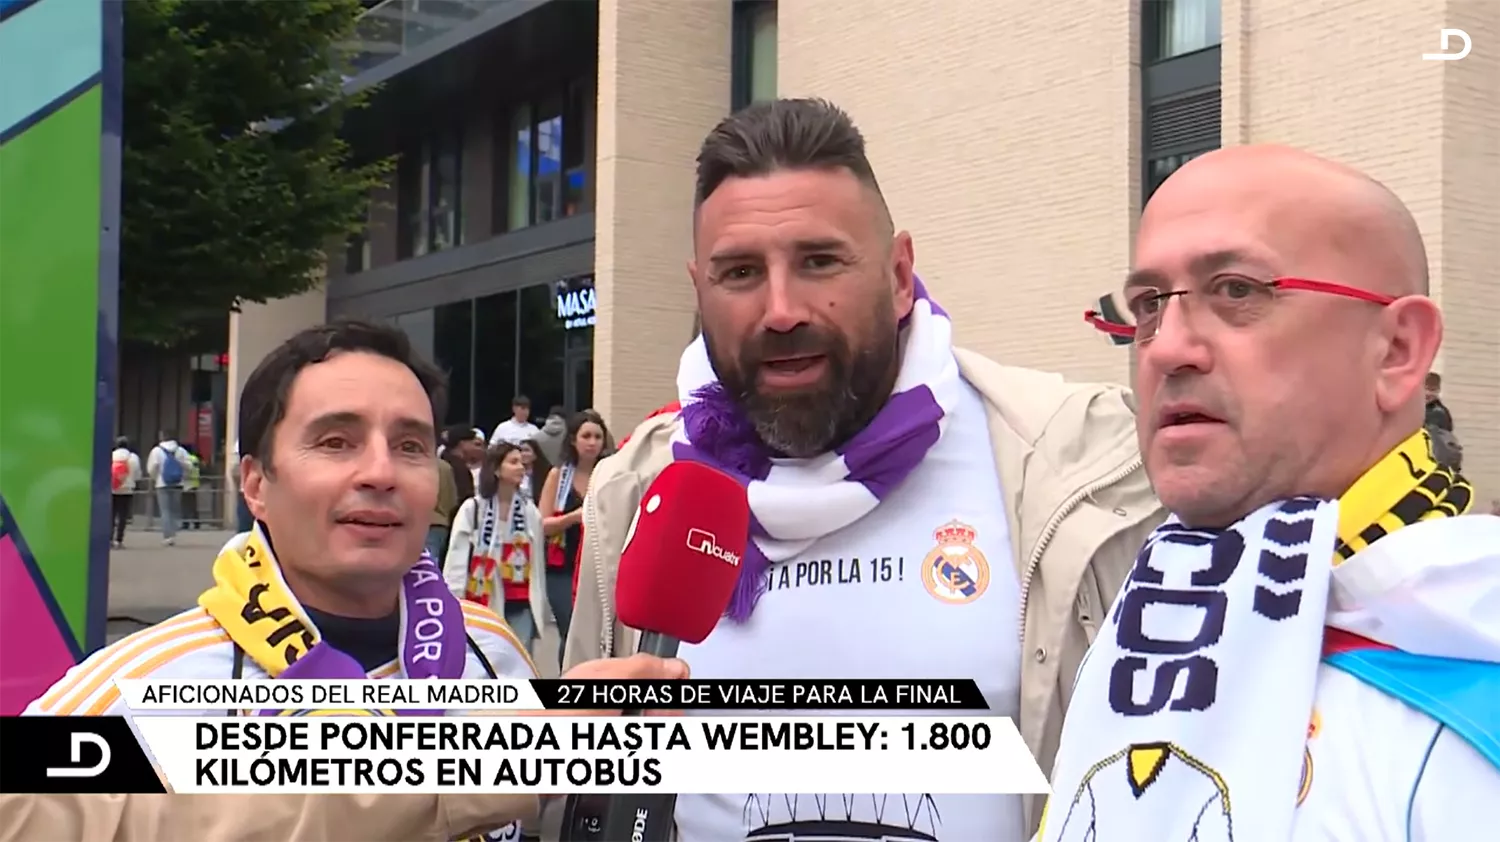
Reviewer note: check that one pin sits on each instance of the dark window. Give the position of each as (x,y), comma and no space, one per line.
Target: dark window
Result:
(543,349)
(428,194)
(537,341)
(202,388)
(547,168)
(547,157)
(1178,27)
(411,217)
(1158,169)
(495,341)
(753,53)
(419,328)
(574,310)
(453,351)
(445,203)
(575,147)
(1178,130)
(357,248)
(356,253)
(518,169)
(580,378)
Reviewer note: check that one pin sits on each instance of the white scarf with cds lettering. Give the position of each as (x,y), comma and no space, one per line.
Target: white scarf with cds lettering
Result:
(1189,718)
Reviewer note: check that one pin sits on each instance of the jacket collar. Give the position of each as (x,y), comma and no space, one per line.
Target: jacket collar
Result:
(1052,438)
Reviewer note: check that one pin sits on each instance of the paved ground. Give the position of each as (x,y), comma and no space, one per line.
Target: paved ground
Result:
(149,582)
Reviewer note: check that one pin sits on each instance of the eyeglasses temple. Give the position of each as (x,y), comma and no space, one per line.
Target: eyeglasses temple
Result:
(1095,318)
(1335,289)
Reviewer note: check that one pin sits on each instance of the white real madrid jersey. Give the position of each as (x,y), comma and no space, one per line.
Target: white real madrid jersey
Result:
(192,645)
(1378,769)
(922,587)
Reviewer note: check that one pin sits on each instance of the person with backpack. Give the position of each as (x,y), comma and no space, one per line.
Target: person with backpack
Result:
(168,465)
(191,515)
(124,475)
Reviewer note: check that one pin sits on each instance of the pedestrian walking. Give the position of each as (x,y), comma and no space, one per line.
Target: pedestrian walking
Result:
(124,476)
(168,466)
(191,519)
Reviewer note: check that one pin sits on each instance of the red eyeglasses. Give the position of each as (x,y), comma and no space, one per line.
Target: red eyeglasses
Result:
(1235,300)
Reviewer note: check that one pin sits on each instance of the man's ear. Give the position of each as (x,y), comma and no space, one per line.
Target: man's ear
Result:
(903,263)
(1413,332)
(252,484)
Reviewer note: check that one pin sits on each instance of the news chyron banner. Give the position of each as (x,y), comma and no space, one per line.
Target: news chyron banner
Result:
(539,736)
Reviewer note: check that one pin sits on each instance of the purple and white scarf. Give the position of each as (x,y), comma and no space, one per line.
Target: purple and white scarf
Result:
(794,502)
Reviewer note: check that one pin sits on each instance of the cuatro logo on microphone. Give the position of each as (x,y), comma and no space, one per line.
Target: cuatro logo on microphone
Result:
(708,543)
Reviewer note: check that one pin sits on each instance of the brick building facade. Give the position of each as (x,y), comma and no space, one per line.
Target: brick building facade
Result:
(1018,146)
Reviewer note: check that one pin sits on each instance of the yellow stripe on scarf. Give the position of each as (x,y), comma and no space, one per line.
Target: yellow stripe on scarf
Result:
(1405,487)
(256,608)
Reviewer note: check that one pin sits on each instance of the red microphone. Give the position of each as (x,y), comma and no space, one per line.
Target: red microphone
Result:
(682,556)
(676,576)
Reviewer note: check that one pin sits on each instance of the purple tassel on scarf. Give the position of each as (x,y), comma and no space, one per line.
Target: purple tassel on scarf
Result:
(720,431)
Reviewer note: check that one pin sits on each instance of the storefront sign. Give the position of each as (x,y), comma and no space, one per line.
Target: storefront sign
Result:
(575,304)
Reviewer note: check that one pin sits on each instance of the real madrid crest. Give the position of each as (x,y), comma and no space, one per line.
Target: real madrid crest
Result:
(1305,786)
(956,571)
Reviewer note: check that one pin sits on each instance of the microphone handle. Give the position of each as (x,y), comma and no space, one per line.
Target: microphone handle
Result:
(647,817)
(658,644)
(643,817)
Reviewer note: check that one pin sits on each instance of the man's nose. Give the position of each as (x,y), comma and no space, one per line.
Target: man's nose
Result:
(1177,344)
(786,305)
(377,469)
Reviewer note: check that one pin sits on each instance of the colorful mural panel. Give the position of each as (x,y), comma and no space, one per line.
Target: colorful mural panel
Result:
(59,222)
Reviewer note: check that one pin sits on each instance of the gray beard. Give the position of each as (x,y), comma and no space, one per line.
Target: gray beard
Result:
(801,426)
(807,424)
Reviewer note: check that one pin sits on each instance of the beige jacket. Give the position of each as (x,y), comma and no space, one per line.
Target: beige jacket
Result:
(255,818)
(1076,495)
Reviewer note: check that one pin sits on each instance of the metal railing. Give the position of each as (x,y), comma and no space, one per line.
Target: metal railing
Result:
(395,27)
(209,506)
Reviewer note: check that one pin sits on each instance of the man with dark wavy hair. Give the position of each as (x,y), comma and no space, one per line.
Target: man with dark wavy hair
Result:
(339,468)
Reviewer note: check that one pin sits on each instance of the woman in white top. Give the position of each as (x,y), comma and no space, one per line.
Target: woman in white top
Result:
(529,455)
(496,552)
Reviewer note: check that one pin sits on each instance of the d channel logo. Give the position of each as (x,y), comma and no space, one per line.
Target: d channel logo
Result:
(1446,36)
(80,739)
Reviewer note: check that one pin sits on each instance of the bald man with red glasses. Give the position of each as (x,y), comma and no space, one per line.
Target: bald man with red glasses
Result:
(1308,649)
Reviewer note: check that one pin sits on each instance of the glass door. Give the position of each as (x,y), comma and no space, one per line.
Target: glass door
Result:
(579,380)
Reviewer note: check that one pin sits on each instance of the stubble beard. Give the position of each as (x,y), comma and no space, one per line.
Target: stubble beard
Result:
(809,422)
